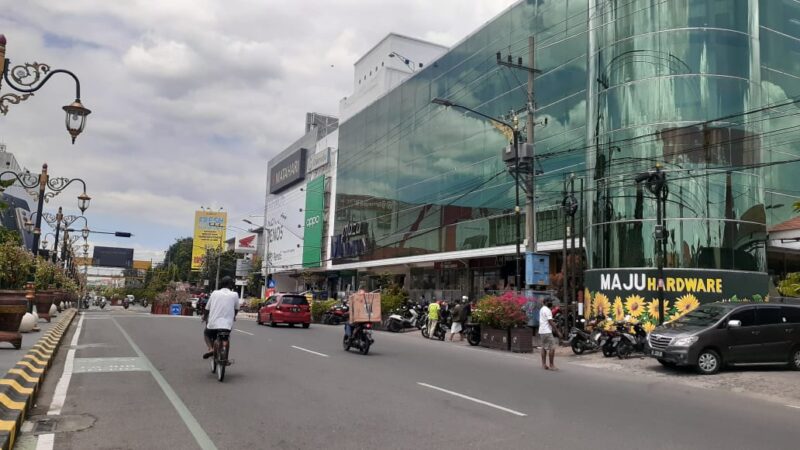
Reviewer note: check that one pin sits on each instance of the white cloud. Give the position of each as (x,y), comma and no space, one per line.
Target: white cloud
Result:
(190,97)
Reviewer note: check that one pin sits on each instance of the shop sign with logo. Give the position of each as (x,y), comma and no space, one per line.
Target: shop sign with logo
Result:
(319,160)
(315,208)
(285,230)
(247,243)
(352,242)
(288,172)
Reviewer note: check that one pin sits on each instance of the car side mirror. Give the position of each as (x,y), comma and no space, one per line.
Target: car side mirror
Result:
(734,323)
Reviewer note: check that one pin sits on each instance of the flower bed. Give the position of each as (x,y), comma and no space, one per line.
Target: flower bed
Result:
(502,318)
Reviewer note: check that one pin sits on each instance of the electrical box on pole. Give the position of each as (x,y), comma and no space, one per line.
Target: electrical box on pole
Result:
(537,269)
(525,153)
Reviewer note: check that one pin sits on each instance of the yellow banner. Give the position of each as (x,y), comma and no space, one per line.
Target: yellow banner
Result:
(209,234)
(139,264)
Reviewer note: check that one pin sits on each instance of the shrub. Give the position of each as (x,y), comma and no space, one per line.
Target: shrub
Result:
(501,312)
(15,266)
(319,307)
(790,287)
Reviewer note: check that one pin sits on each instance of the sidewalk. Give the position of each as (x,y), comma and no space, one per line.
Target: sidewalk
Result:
(9,356)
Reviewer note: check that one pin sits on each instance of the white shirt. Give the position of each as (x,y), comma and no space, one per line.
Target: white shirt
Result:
(222,306)
(545,315)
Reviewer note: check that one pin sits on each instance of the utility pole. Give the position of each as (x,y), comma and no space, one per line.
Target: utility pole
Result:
(656,182)
(530,210)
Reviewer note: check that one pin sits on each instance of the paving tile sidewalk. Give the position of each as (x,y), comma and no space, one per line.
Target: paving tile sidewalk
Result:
(9,356)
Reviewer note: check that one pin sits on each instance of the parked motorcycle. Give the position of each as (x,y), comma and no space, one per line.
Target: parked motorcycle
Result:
(406,317)
(102,303)
(360,337)
(126,303)
(336,314)
(473,333)
(439,333)
(608,343)
(585,336)
(631,340)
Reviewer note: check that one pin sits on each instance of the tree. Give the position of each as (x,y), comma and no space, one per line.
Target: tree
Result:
(178,259)
(797,206)
(227,266)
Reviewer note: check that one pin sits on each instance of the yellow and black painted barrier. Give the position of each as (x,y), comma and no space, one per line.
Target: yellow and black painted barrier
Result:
(21,383)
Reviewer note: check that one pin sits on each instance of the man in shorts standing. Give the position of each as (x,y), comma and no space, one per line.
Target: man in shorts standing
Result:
(547,327)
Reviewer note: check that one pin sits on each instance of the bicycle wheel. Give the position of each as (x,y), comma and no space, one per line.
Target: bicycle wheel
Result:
(220,372)
(214,362)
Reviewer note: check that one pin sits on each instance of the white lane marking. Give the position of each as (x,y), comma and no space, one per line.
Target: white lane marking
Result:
(194,427)
(60,394)
(45,442)
(310,351)
(245,332)
(793,406)
(473,399)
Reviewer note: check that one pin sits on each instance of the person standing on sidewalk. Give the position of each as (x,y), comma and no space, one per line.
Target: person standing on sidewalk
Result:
(433,319)
(547,330)
(457,321)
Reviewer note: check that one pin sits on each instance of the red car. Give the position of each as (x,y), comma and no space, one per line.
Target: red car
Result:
(285,308)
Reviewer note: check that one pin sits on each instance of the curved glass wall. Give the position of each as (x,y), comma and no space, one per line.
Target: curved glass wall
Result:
(673,81)
(416,178)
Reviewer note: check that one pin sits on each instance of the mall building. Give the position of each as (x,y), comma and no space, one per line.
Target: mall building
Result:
(703,89)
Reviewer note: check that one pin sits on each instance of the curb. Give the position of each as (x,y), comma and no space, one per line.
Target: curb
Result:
(19,386)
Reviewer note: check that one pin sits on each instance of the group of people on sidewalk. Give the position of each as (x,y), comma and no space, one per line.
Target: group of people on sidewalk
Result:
(457,316)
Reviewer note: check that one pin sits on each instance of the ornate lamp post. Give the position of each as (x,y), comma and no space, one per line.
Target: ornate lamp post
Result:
(30,77)
(56,185)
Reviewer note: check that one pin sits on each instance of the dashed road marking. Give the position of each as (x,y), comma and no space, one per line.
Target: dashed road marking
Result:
(245,332)
(473,399)
(793,406)
(311,351)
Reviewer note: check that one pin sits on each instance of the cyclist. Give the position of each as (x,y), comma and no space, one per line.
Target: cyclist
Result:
(221,310)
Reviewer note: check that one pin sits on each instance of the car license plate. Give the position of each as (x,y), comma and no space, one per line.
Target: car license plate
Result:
(657,353)
(295,309)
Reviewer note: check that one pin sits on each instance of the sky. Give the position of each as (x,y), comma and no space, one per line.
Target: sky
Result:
(190,98)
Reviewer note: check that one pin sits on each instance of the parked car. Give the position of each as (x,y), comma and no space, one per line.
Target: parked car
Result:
(727,334)
(285,308)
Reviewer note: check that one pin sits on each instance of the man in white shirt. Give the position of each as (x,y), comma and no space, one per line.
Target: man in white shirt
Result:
(546,328)
(222,307)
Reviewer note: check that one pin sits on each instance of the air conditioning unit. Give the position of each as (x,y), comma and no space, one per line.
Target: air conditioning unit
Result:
(525,152)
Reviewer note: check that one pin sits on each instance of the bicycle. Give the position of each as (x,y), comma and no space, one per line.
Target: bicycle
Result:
(220,358)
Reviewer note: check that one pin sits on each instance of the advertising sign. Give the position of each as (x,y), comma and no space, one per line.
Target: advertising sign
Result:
(246,243)
(288,172)
(209,233)
(285,227)
(319,159)
(314,221)
(112,257)
(634,292)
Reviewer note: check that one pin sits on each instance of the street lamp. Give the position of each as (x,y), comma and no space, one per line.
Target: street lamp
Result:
(515,134)
(30,77)
(409,63)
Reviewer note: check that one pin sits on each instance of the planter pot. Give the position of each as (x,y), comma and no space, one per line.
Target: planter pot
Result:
(494,338)
(13,306)
(43,301)
(521,340)
(187,310)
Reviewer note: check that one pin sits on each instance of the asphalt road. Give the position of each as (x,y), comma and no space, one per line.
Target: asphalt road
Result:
(294,388)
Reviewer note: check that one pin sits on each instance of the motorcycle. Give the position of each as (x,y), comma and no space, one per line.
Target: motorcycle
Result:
(608,341)
(582,340)
(144,303)
(360,337)
(629,342)
(125,304)
(406,317)
(336,314)
(473,333)
(438,333)
(102,303)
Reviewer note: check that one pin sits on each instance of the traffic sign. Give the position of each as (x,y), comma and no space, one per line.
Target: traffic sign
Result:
(175,309)
(271,284)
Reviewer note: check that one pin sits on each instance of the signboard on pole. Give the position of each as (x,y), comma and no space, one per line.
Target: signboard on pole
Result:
(246,243)
(243,267)
(209,234)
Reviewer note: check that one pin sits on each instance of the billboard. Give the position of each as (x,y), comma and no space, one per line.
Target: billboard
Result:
(285,219)
(246,243)
(112,257)
(288,172)
(209,233)
(314,221)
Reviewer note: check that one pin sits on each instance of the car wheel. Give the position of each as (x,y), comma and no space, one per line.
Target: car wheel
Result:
(258,320)
(794,363)
(306,325)
(666,363)
(708,362)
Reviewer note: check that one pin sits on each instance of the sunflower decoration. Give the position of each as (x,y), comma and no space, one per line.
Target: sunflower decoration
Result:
(649,327)
(587,296)
(608,325)
(686,303)
(619,309)
(635,305)
(652,308)
(600,304)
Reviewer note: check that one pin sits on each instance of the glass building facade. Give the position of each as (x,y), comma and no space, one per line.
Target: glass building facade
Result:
(624,85)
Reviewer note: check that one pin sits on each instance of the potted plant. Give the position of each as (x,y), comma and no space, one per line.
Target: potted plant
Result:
(16,264)
(498,316)
(48,279)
